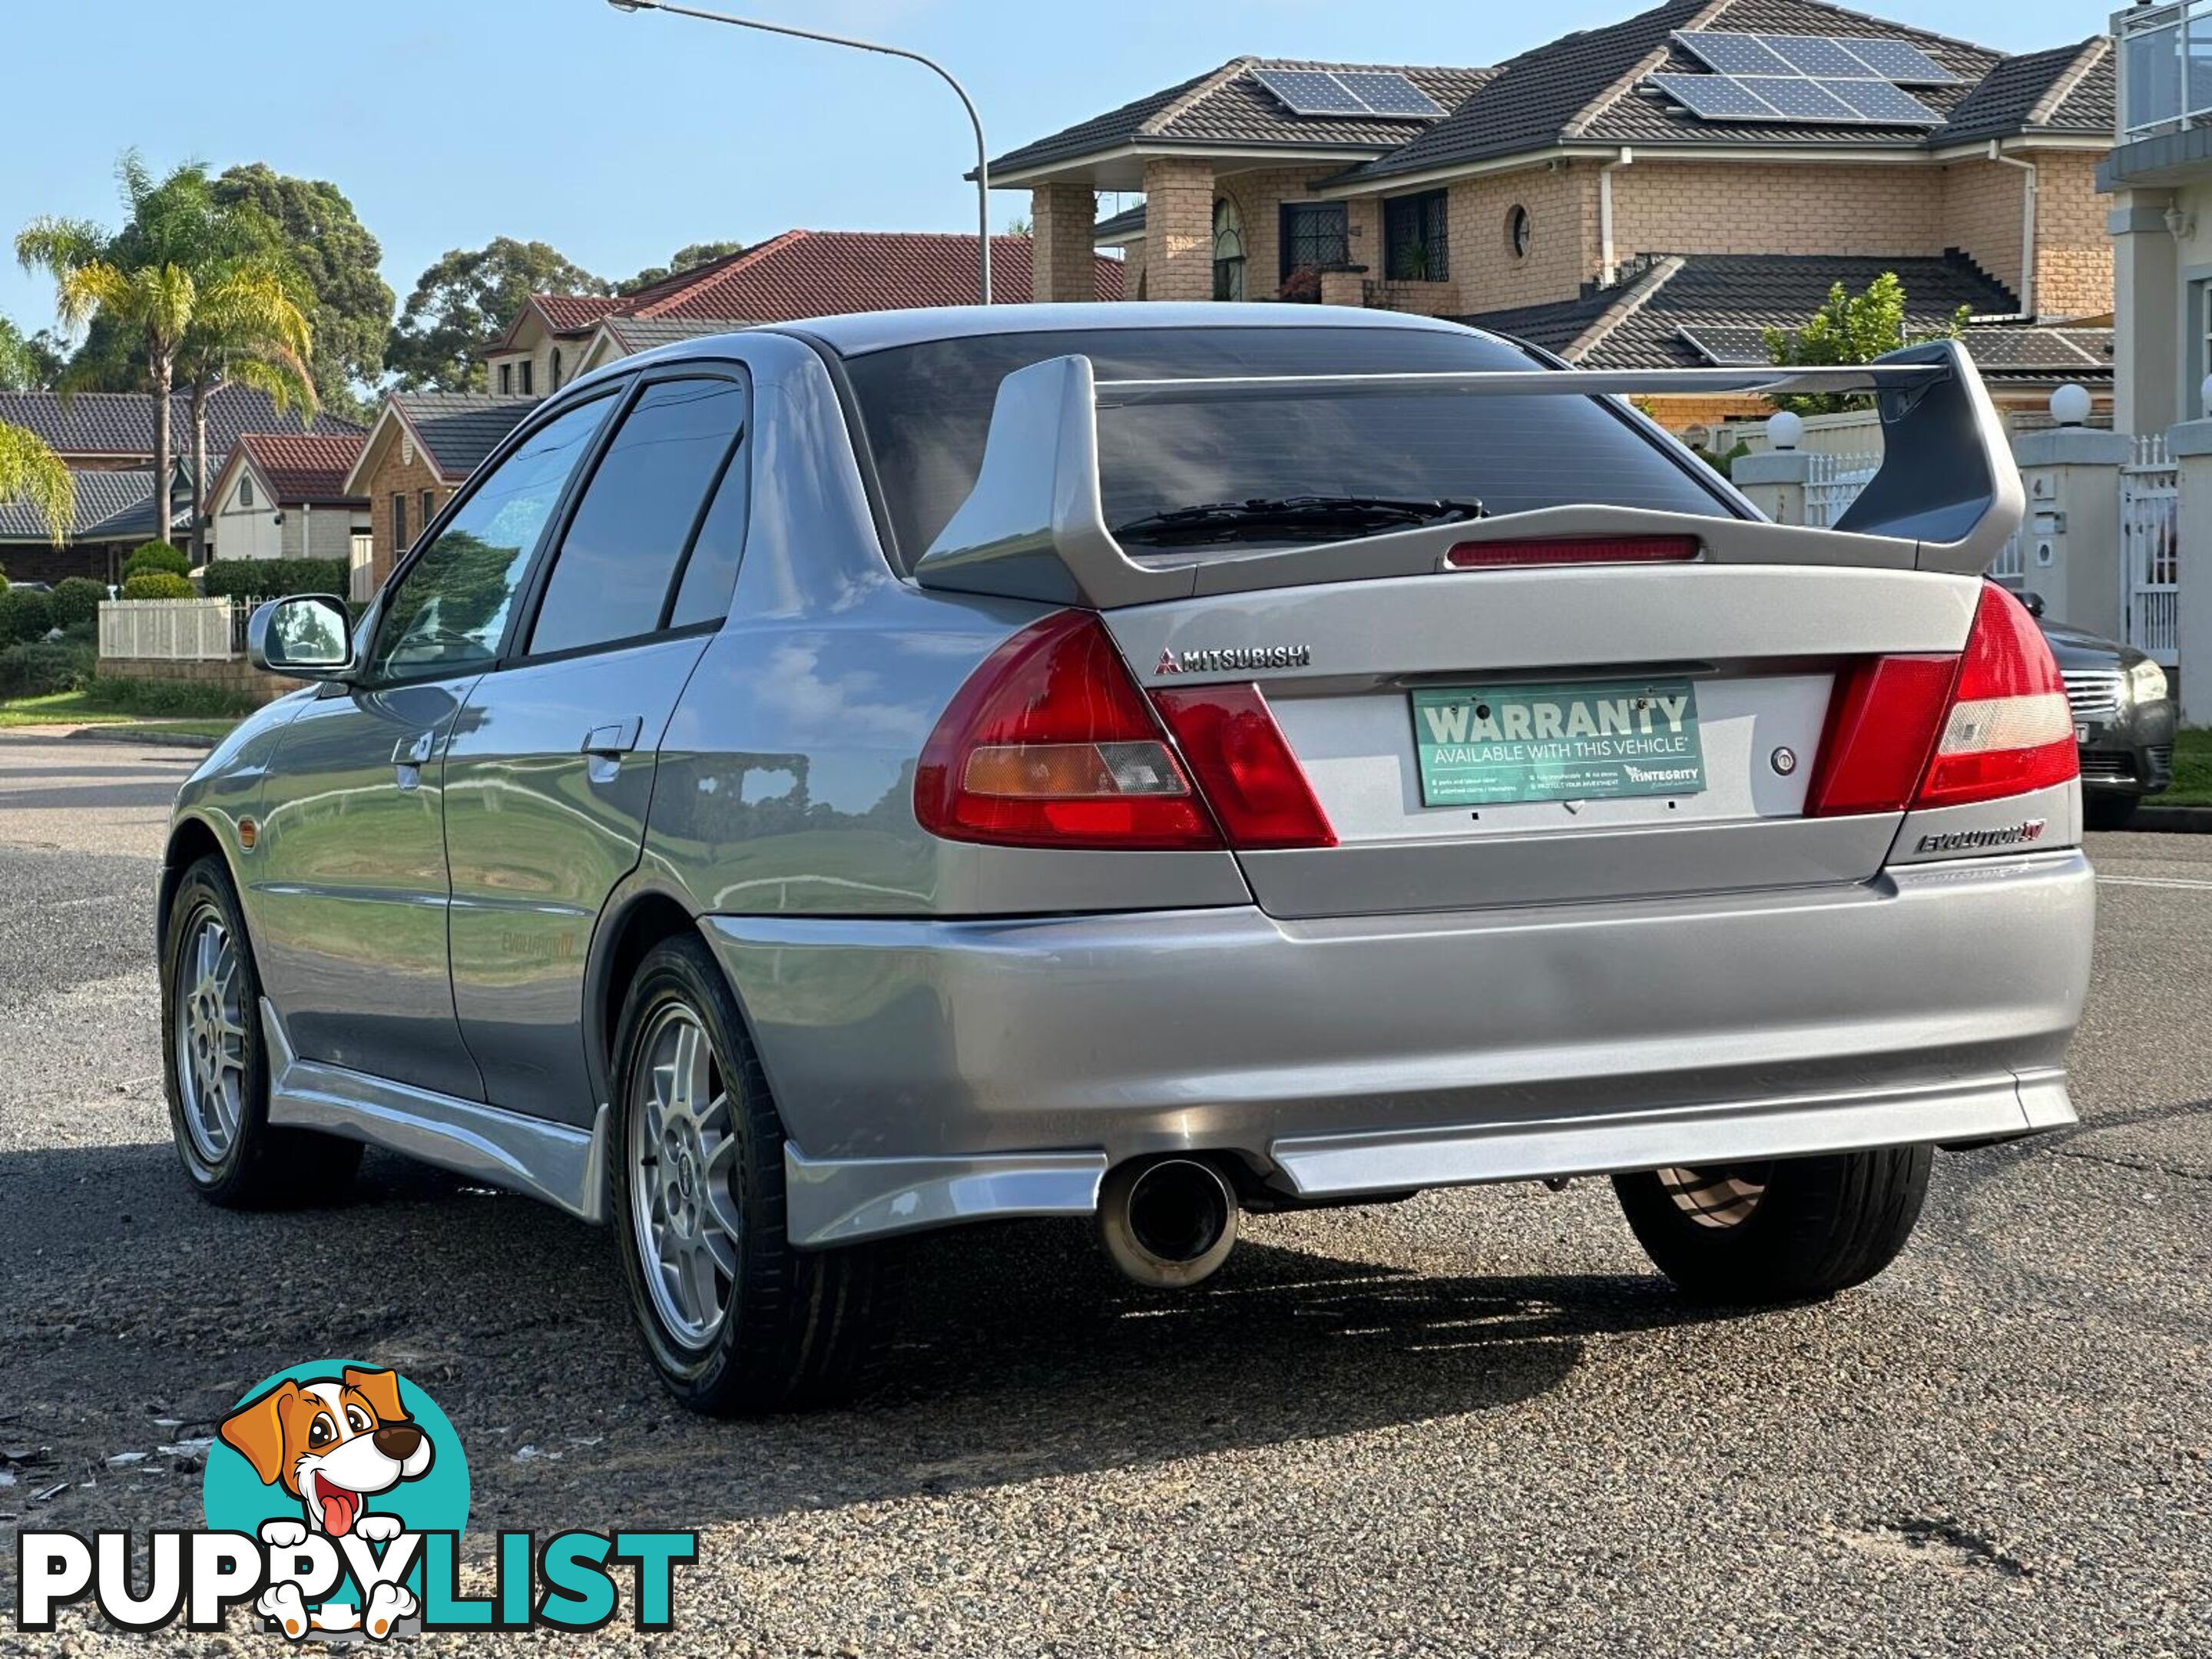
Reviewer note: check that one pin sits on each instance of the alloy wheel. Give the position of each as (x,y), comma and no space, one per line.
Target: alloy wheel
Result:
(683,1173)
(210,1034)
(1716,1198)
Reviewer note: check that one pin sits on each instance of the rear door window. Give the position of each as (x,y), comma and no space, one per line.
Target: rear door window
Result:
(615,576)
(926,407)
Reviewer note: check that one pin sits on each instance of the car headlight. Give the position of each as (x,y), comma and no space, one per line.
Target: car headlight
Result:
(2146,681)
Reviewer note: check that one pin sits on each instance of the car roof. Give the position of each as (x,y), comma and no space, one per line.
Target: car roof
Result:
(859,333)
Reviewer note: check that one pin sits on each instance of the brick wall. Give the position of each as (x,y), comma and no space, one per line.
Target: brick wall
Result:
(1982,205)
(395,475)
(1259,196)
(1712,207)
(1563,246)
(237,675)
(1179,229)
(1133,271)
(1062,264)
(2073,254)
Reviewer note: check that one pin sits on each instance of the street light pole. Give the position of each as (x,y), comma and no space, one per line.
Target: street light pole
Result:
(983,154)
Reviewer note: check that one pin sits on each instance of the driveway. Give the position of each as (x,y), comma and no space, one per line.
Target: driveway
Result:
(1471,1423)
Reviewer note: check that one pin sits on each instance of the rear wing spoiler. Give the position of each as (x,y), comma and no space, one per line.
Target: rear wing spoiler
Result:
(1948,496)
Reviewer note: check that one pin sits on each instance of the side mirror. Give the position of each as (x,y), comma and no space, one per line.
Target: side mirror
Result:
(306,637)
(2034,602)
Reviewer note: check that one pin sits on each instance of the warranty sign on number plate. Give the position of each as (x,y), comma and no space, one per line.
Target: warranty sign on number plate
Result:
(1486,745)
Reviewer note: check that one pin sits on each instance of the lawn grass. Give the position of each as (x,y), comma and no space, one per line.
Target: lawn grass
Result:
(81,708)
(2192,772)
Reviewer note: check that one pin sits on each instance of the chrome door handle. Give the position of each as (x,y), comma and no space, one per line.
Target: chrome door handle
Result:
(409,757)
(613,740)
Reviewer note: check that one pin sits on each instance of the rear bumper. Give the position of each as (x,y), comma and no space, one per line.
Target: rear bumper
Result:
(931,1071)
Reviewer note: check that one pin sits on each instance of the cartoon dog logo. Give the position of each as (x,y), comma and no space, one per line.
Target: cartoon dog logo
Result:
(332,1442)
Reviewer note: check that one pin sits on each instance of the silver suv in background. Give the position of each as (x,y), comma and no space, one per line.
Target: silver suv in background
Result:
(1149,763)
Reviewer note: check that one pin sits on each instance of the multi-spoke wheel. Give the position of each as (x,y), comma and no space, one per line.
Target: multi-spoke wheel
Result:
(1787,1230)
(735,1318)
(217,1076)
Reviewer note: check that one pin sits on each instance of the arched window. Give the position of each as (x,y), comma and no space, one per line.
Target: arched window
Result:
(1228,251)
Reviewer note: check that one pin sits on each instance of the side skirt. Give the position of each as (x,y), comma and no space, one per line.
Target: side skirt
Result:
(563,1166)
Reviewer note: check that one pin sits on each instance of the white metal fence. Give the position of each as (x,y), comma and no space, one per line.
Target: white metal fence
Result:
(169,631)
(2150,550)
(1834,483)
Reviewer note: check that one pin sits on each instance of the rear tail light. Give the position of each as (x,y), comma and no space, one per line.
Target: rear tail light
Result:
(1251,778)
(1050,743)
(1950,731)
(1579,549)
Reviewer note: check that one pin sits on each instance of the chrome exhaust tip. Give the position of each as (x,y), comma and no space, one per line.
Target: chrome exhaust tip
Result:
(1168,1222)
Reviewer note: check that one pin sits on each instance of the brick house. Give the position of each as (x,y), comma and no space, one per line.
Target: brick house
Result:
(1564,191)
(424,444)
(283,495)
(114,514)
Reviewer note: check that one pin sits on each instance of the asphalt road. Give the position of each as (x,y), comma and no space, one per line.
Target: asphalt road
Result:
(1474,1423)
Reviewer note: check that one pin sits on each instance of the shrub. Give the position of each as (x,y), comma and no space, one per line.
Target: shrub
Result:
(24,616)
(156,556)
(158,585)
(40,670)
(76,601)
(165,699)
(273,579)
(4,581)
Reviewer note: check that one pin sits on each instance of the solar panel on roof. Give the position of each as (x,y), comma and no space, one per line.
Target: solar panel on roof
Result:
(1716,98)
(1809,54)
(1797,98)
(1898,61)
(1387,93)
(1730,53)
(1310,92)
(1881,104)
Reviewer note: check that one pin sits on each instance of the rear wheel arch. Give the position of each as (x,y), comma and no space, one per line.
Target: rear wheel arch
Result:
(626,934)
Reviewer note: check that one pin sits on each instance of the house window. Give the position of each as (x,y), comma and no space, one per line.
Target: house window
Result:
(1517,232)
(555,386)
(1228,251)
(246,491)
(1416,243)
(1313,240)
(429,507)
(506,380)
(398,524)
(526,365)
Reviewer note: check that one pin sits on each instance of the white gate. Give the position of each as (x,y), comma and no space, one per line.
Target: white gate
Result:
(168,630)
(1833,484)
(2150,551)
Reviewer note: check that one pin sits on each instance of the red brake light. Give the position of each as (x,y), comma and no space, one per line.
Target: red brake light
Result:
(2010,729)
(1579,549)
(1990,723)
(1250,778)
(1050,743)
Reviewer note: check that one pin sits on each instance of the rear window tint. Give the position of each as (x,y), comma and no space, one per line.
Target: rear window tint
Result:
(926,407)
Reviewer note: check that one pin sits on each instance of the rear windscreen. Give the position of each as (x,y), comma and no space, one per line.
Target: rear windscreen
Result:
(925,408)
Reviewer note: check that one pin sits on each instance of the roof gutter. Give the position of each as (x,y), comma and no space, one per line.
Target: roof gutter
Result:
(2030,186)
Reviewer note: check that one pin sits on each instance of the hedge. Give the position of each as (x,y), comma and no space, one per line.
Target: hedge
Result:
(156,556)
(269,578)
(40,670)
(127,695)
(24,615)
(158,585)
(76,600)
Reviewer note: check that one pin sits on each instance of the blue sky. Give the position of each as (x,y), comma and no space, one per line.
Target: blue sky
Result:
(620,138)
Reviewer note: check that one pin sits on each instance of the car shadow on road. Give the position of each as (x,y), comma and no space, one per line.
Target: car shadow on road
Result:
(1021,1355)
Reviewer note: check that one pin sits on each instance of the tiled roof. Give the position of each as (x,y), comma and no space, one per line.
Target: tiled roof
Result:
(575,314)
(1226,107)
(1130,222)
(1698,310)
(303,468)
(122,422)
(2066,89)
(643,333)
(821,273)
(110,506)
(459,428)
(1591,87)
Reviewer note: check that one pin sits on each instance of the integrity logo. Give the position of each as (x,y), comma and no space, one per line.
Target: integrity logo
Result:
(335,1499)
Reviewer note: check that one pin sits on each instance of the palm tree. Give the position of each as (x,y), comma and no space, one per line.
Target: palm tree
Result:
(29,472)
(198,288)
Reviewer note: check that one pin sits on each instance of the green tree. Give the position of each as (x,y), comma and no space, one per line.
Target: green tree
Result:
(350,309)
(465,301)
(30,471)
(683,260)
(28,363)
(1850,329)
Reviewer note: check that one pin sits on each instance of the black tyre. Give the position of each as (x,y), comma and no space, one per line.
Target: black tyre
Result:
(216,1070)
(1794,1229)
(2109,812)
(735,1320)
